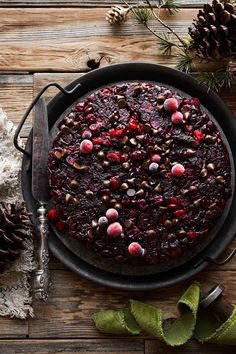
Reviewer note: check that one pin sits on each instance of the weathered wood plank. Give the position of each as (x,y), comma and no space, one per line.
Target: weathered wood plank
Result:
(91,346)
(193,347)
(12,328)
(16,92)
(73,300)
(66,40)
(88,3)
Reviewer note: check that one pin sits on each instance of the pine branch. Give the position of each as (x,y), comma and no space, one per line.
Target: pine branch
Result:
(142,14)
(184,62)
(165,44)
(171,5)
(217,80)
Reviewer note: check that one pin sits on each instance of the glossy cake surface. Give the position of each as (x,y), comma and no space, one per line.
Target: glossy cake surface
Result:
(138,173)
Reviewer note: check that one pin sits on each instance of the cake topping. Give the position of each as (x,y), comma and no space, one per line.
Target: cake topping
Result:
(86,134)
(114,230)
(112,214)
(136,250)
(178,170)
(86,146)
(103,221)
(177,118)
(52,215)
(171,105)
(153,167)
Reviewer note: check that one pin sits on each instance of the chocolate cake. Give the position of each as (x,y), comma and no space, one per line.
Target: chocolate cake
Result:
(138,174)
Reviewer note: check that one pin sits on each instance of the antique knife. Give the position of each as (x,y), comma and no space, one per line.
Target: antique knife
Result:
(40,192)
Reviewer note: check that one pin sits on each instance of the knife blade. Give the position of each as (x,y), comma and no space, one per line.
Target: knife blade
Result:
(41,193)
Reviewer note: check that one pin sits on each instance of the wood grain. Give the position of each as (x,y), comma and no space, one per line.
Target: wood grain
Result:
(193,347)
(12,328)
(16,92)
(111,346)
(73,301)
(88,3)
(64,41)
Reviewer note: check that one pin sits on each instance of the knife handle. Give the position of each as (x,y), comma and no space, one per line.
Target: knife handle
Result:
(42,281)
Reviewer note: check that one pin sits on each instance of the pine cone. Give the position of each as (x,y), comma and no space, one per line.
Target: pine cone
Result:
(117,14)
(14,229)
(214,30)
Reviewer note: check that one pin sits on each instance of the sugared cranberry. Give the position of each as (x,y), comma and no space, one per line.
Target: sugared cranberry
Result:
(60,226)
(191,234)
(103,221)
(86,146)
(112,214)
(171,105)
(178,170)
(155,158)
(153,167)
(198,135)
(52,215)
(177,118)
(136,250)
(114,230)
(86,134)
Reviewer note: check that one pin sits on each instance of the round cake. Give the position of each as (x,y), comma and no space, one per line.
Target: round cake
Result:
(138,173)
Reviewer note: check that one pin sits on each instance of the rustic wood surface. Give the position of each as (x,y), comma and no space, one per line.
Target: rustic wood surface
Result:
(52,40)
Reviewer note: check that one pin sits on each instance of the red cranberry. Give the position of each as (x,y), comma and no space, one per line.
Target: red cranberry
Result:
(194,101)
(97,141)
(136,250)
(177,118)
(114,230)
(112,214)
(178,170)
(175,252)
(198,135)
(112,132)
(172,200)
(133,124)
(86,146)
(60,226)
(179,213)
(114,156)
(115,183)
(172,206)
(191,234)
(171,105)
(52,215)
(155,158)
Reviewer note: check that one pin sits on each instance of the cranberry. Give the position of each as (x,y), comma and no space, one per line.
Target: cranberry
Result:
(112,214)
(114,229)
(52,215)
(172,200)
(158,200)
(86,146)
(177,118)
(198,135)
(86,134)
(171,105)
(179,213)
(112,132)
(115,183)
(97,141)
(136,250)
(178,170)
(191,234)
(114,156)
(60,226)
(133,124)
(175,252)
(155,158)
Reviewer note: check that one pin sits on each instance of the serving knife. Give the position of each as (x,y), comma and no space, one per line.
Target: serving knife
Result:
(41,194)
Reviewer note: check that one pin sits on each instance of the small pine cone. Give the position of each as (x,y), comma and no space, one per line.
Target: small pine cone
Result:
(214,30)
(117,14)
(15,227)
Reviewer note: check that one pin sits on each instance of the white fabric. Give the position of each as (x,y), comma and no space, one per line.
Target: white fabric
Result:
(15,295)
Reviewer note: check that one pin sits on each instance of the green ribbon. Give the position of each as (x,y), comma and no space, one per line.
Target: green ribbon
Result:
(137,317)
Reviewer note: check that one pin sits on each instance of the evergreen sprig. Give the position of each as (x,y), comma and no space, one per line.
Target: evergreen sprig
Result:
(184,62)
(171,5)
(142,14)
(165,45)
(217,79)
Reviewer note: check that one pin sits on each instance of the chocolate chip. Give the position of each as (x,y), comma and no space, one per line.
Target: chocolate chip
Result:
(89,194)
(210,167)
(171,237)
(124,140)
(106,164)
(140,193)
(139,137)
(74,184)
(145,184)
(133,141)
(168,223)
(160,99)
(192,189)
(197,202)
(128,223)
(126,166)
(131,180)
(81,168)
(94,224)
(101,154)
(65,130)
(190,152)
(187,115)
(151,233)
(159,107)
(204,173)
(158,188)
(121,101)
(124,186)
(137,90)
(118,206)
(147,128)
(105,198)
(220,180)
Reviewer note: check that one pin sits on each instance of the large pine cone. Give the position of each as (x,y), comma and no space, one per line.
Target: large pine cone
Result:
(15,227)
(214,30)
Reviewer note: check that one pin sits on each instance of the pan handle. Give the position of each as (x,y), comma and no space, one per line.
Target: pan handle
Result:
(222,262)
(31,106)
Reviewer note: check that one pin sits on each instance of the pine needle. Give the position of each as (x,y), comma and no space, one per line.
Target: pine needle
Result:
(184,62)
(217,80)
(165,45)
(171,5)
(142,14)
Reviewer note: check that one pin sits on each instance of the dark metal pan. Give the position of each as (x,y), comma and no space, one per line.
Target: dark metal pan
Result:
(223,232)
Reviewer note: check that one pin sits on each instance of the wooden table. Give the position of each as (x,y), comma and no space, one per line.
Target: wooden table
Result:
(53,40)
